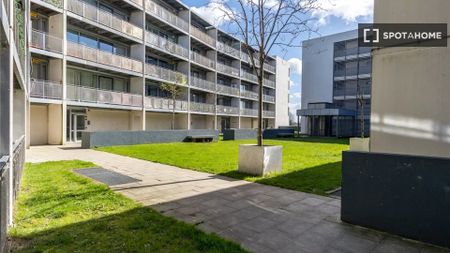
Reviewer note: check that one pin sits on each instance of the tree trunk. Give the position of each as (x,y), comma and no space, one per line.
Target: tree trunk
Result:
(173,114)
(260,112)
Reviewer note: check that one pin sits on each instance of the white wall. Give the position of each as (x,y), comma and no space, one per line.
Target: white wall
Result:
(38,124)
(410,90)
(317,69)
(163,121)
(108,120)
(202,122)
(282,93)
(249,123)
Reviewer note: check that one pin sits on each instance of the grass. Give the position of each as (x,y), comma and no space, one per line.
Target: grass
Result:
(60,211)
(309,164)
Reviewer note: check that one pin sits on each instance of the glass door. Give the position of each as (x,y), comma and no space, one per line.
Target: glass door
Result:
(76,125)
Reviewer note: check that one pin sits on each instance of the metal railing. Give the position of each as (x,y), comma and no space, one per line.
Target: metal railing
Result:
(222,109)
(56,3)
(137,2)
(95,14)
(269,98)
(158,103)
(203,84)
(103,57)
(166,74)
(203,60)
(269,114)
(249,112)
(228,90)
(98,96)
(227,69)
(44,41)
(202,107)
(224,48)
(249,76)
(245,57)
(18,159)
(4,198)
(46,89)
(270,68)
(166,45)
(270,83)
(164,14)
(202,36)
(249,94)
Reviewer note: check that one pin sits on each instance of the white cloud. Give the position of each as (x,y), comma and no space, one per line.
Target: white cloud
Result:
(296,65)
(213,12)
(348,10)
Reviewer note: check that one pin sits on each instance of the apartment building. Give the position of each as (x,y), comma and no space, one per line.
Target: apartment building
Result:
(336,86)
(13,105)
(98,66)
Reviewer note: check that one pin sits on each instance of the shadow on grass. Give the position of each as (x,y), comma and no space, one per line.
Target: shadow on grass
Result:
(317,179)
(137,230)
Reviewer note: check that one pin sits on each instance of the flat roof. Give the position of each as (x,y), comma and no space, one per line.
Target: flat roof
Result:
(326,112)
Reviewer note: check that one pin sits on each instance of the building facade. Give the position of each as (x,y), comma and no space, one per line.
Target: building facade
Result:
(336,86)
(99,65)
(13,105)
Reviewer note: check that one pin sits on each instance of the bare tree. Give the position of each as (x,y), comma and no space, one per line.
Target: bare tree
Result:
(174,91)
(263,25)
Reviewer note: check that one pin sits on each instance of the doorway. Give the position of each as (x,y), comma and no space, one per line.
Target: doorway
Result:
(76,124)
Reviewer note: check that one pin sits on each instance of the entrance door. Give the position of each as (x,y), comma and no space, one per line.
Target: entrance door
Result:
(76,125)
(225,123)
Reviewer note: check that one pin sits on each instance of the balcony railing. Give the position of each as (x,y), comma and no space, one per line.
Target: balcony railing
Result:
(203,60)
(228,90)
(269,114)
(249,112)
(270,68)
(227,69)
(137,2)
(93,13)
(222,109)
(249,76)
(166,45)
(202,36)
(166,74)
(249,94)
(202,107)
(98,96)
(203,84)
(56,3)
(270,83)
(224,48)
(245,57)
(102,57)
(42,40)
(269,98)
(46,89)
(166,15)
(158,103)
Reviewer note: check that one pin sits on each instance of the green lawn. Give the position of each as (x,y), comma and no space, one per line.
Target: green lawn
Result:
(60,211)
(309,164)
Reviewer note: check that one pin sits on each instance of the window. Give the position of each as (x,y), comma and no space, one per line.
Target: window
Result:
(88,41)
(105,46)
(105,83)
(72,36)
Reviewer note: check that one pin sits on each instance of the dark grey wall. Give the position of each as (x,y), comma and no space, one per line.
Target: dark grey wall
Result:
(404,195)
(239,134)
(99,139)
(273,133)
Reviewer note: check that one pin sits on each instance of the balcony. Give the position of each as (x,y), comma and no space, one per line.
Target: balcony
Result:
(43,41)
(137,2)
(268,98)
(268,114)
(227,69)
(227,90)
(202,36)
(166,74)
(270,68)
(202,107)
(158,103)
(269,83)
(249,94)
(249,112)
(102,57)
(203,84)
(46,89)
(98,96)
(249,76)
(56,3)
(163,14)
(166,45)
(245,57)
(203,60)
(224,48)
(229,110)
(92,13)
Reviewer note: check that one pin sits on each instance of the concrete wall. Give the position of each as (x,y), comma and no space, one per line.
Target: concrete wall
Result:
(162,121)
(248,123)
(55,126)
(317,70)
(410,93)
(108,120)
(38,124)
(202,122)
(282,94)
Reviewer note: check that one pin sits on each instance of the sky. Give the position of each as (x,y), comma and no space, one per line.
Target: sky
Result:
(335,16)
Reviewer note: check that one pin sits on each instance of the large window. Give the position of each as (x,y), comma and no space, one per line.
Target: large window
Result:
(89,41)
(93,80)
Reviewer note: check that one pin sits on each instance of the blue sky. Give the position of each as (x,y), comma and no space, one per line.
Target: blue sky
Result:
(336,16)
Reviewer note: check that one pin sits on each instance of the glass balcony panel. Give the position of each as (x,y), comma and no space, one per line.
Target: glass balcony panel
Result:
(43,41)
(46,89)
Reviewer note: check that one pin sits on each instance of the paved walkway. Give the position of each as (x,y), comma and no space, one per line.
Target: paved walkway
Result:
(260,218)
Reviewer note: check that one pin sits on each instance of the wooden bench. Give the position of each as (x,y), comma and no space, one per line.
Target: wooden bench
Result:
(200,138)
(285,135)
